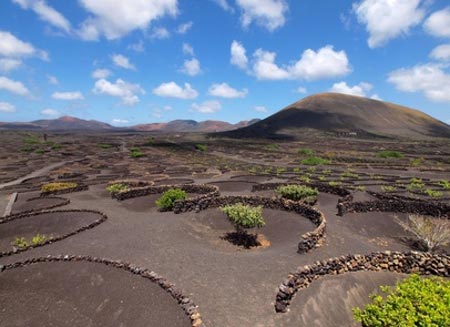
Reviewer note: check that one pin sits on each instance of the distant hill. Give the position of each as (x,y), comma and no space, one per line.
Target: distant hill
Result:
(68,123)
(345,114)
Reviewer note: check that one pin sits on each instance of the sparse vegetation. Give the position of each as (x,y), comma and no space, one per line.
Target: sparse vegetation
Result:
(104,146)
(349,174)
(20,243)
(306,152)
(56,146)
(31,140)
(390,154)
(117,188)
(136,152)
(314,161)
(38,239)
(444,184)
(27,149)
(416,162)
(272,146)
(430,232)
(150,141)
(415,301)
(51,187)
(334,183)
(39,151)
(388,188)
(168,198)
(415,184)
(201,147)
(297,192)
(432,193)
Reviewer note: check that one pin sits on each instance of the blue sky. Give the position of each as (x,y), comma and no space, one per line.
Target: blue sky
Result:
(127,62)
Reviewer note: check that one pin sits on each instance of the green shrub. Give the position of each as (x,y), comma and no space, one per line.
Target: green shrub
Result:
(272,146)
(39,151)
(201,147)
(416,162)
(389,154)
(168,198)
(296,192)
(314,161)
(244,216)
(326,171)
(136,152)
(388,188)
(56,147)
(304,178)
(31,140)
(432,193)
(38,239)
(415,184)
(150,141)
(306,152)
(50,187)
(281,170)
(333,183)
(444,184)
(415,301)
(20,242)
(104,146)
(349,174)
(117,188)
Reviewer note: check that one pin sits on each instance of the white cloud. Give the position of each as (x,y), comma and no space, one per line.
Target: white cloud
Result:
(50,112)
(359,90)
(238,55)
(188,49)
(52,80)
(224,5)
(184,28)
(191,67)
(430,79)
(388,19)
(173,90)
(301,90)
(69,96)
(119,121)
(122,61)
(223,90)
(7,107)
(438,24)
(323,64)
(269,14)
(10,46)
(376,97)
(160,33)
(13,86)
(116,18)
(138,46)
(46,13)
(121,89)
(101,73)
(260,108)
(207,107)
(8,64)
(441,52)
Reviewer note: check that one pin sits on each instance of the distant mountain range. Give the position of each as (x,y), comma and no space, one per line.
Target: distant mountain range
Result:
(68,123)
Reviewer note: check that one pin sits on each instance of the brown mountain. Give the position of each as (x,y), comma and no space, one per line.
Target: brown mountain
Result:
(340,113)
(71,123)
(207,126)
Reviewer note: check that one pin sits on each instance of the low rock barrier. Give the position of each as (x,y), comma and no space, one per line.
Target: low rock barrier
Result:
(188,306)
(309,240)
(77,188)
(321,187)
(407,263)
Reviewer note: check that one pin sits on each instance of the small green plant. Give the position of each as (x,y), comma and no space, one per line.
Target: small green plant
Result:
(388,188)
(415,301)
(432,193)
(360,188)
(334,183)
(444,184)
(305,178)
(50,187)
(296,192)
(168,198)
(297,170)
(150,141)
(244,216)
(281,170)
(311,169)
(326,171)
(31,140)
(349,174)
(201,147)
(314,161)
(136,152)
(321,178)
(56,146)
(272,146)
(104,146)
(20,242)
(117,188)
(39,151)
(38,239)
(415,184)
(416,162)
(306,152)
(390,154)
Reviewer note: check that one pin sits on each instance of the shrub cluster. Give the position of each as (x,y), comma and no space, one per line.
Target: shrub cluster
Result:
(168,198)
(415,301)
(306,152)
(389,154)
(117,188)
(296,192)
(201,147)
(136,152)
(244,216)
(50,187)
(314,161)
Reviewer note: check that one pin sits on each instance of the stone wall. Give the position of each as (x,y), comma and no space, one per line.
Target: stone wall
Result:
(188,306)
(309,240)
(321,187)
(78,188)
(409,262)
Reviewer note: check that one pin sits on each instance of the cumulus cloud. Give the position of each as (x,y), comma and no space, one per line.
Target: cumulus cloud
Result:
(301,90)
(52,80)
(438,24)
(122,61)
(138,46)
(207,107)
(238,55)
(224,5)
(264,66)
(121,89)
(10,46)
(188,49)
(184,28)
(429,79)
(46,13)
(8,64)
(118,121)
(223,90)
(116,18)
(70,96)
(260,108)
(160,33)
(7,107)
(101,73)
(360,89)
(173,90)
(387,19)
(269,14)
(191,67)
(13,86)
(441,52)
(50,112)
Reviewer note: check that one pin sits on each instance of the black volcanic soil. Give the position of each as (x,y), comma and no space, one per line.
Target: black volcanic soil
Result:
(84,294)
(37,204)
